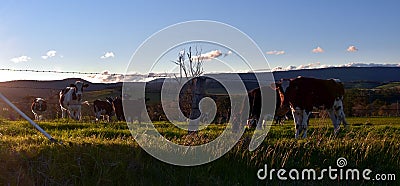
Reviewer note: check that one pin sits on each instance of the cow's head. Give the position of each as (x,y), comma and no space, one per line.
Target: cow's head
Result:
(78,86)
(110,100)
(40,104)
(282,106)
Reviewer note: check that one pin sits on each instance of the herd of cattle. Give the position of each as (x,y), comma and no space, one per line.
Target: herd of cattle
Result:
(299,95)
(71,103)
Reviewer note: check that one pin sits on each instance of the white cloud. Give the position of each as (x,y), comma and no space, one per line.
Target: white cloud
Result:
(275,52)
(352,48)
(208,56)
(278,68)
(227,53)
(49,54)
(318,50)
(107,77)
(21,59)
(291,67)
(108,55)
(309,66)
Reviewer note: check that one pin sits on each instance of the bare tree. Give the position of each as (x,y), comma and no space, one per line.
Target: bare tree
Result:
(191,70)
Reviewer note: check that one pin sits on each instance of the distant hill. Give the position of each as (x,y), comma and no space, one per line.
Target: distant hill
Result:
(359,77)
(22,88)
(352,77)
(346,74)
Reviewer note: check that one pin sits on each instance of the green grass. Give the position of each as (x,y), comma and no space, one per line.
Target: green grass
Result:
(389,85)
(107,154)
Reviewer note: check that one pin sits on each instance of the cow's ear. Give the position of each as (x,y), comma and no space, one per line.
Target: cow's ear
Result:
(85,85)
(72,85)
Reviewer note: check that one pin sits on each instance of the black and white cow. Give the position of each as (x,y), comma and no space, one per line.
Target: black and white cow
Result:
(38,107)
(103,108)
(303,94)
(71,100)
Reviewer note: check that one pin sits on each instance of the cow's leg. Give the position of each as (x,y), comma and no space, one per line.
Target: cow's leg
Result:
(97,115)
(297,117)
(109,118)
(259,123)
(304,123)
(339,112)
(79,114)
(266,120)
(343,119)
(72,113)
(335,120)
(63,112)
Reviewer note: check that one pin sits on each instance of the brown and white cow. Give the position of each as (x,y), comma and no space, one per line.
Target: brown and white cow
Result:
(103,108)
(118,108)
(302,94)
(71,100)
(38,107)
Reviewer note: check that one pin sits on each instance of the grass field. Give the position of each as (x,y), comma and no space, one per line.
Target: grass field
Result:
(107,154)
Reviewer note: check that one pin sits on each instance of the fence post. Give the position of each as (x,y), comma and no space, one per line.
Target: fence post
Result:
(27,118)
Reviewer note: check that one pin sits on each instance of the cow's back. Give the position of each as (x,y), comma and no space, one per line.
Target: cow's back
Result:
(311,92)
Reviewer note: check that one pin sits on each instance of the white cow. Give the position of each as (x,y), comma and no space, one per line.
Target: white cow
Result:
(38,107)
(71,100)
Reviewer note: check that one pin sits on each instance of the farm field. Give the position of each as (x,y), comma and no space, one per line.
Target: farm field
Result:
(107,154)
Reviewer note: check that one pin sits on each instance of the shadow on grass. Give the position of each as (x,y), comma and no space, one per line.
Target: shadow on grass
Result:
(89,163)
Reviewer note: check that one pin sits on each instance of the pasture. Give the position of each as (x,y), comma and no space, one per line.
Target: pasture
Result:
(107,154)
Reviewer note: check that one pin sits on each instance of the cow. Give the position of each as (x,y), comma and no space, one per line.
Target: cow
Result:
(71,100)
(103,108)
(38,107)
(256,118)
(302,94)
(118,108)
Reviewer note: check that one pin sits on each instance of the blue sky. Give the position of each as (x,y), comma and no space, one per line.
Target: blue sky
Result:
(98,36)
